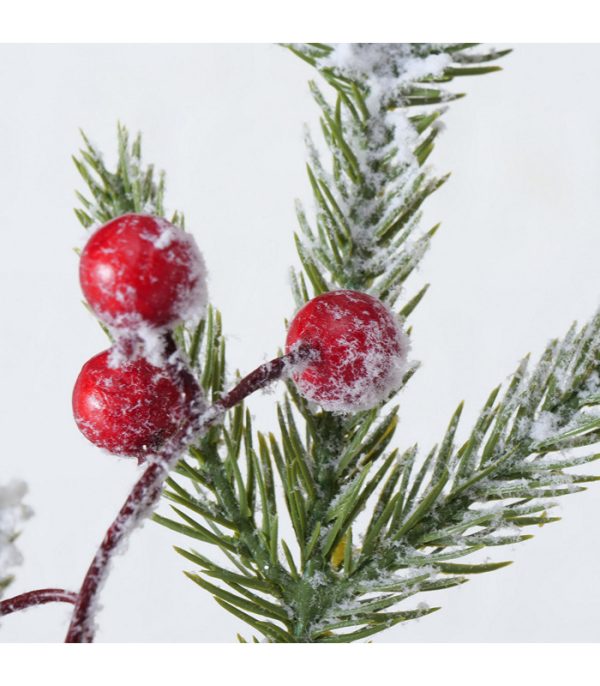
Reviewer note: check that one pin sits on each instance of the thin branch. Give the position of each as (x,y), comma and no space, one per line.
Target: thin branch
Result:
(263,375)
(41,596)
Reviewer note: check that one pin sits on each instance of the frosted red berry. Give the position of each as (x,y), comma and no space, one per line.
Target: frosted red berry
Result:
(361,350)
(139,269)
(134,407)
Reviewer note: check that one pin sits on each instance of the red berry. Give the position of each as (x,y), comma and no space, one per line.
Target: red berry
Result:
(132,408)
(361,351)
(139,270)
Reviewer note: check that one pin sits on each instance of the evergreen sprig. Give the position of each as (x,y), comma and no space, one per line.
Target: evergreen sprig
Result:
(321,531)
(131,187)
(368,203)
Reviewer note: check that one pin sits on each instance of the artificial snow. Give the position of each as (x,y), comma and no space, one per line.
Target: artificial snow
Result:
(544,427)
(391,64)
(387,70)
(146,341)
(165,237)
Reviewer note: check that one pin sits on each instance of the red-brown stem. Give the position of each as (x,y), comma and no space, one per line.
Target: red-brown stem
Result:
(33,598)
(146,492)
(263,375)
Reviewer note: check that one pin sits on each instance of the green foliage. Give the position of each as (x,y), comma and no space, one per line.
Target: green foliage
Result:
(322,530)
(129,188)
(368,203)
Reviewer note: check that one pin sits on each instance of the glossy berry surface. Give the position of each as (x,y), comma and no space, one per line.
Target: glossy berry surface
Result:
(361,350)
(139,269)
(132,408)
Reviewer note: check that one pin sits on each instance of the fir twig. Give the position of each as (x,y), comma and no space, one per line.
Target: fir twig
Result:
(373,525)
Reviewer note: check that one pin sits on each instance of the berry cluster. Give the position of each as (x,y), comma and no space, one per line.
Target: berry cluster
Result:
(141,275)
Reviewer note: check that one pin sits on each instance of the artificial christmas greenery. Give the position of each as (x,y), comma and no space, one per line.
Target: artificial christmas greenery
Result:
(370,524)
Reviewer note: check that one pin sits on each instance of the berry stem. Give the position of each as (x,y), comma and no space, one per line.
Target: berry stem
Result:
(263,375)
(37,597)
(143,497)
(146,492)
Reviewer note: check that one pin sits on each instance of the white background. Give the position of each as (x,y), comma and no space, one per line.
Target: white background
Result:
(514,263)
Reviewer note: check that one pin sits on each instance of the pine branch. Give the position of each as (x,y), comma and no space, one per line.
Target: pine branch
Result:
(334,467)
(368,205)
(459,500)
(507,474)
(129,188)
(372,526)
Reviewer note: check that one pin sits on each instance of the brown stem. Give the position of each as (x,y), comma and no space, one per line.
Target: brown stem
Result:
(143,496)
(146,492)
(263,375)
(38,597)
